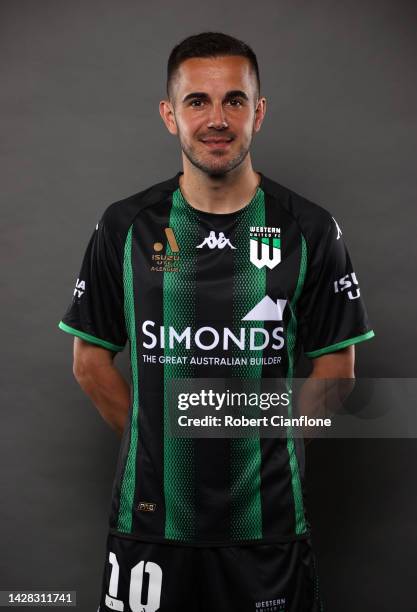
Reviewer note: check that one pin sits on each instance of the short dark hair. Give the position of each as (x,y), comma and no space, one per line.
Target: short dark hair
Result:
(209,44)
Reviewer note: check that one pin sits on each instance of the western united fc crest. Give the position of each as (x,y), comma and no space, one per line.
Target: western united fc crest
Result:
(265,246)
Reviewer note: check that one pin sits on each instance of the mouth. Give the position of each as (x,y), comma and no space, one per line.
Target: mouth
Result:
(217,143)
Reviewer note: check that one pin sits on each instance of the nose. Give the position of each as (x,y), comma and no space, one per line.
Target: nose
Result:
(217,117)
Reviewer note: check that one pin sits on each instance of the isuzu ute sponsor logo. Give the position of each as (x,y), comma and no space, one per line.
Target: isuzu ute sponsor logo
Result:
(169,262)
(349,281)
(213,241)
(208,337)
(265,246)
(79,288)
(172,241)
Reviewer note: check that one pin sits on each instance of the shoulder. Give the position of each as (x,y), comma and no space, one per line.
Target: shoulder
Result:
(119,216)
(315,221)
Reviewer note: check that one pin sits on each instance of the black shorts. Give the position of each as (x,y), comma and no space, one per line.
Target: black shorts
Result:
(145,577)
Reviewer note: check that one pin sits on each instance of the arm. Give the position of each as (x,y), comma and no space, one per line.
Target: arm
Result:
(340,364)
(339,369)
(333,319)
(96,374)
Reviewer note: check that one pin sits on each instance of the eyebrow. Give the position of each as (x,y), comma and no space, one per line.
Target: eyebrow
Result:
(234,93)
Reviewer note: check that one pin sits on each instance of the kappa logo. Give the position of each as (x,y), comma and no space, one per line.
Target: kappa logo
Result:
(265,246)
(216,242)
(79,288)
(339,231)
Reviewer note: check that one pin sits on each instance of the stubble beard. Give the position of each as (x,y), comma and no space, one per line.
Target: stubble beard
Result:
(218,167)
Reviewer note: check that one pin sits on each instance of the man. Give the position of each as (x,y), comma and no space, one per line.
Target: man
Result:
(203,273)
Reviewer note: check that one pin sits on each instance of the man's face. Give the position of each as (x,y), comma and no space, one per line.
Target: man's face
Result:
(214,110)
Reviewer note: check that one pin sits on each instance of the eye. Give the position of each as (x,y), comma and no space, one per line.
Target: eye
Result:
(235,101)
(196,103)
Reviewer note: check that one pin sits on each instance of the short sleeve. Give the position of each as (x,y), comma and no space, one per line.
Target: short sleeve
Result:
(96,312)
(331,310)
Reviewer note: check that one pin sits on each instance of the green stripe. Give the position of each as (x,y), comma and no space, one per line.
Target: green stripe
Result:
(300,522)
(179,311)
(89,337)
(127,491)
(249,287)
(339,345)
(276,242)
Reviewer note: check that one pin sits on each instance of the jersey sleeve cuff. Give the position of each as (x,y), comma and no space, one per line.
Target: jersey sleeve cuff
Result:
(89,337)
(339,345)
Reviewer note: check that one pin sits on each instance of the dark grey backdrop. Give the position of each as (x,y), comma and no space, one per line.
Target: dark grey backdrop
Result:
(80,86)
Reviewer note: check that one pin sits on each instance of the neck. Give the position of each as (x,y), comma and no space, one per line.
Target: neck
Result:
(225,194)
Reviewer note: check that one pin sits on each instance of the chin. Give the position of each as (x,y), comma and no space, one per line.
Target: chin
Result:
(214,167)
(218,170)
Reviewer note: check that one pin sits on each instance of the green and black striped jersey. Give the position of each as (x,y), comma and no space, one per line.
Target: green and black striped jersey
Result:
(212,295)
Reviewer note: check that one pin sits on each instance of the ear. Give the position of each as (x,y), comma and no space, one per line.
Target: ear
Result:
(166,111)
(259,113)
